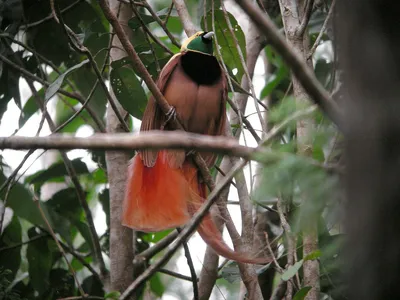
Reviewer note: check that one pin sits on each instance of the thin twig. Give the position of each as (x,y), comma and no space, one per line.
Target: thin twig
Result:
(163,24)
(168,13)
(36,237)
(149,33)
(162,244)
(291,248)
(306,18)
(176,275)
(192,270)
(321,32)
(244,66)
(81,260)
(271,252)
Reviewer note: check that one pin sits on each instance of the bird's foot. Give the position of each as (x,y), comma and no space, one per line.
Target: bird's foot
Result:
(171,115)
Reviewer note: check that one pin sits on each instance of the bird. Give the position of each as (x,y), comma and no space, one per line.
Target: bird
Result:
(164,189)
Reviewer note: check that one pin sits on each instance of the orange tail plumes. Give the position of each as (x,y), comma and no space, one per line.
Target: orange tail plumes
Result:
(155,198)
(162,197)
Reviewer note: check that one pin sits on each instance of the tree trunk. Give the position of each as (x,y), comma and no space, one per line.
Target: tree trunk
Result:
(369,45)
(293,14)
(121,238)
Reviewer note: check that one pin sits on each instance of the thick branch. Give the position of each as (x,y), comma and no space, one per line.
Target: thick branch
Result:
(183,13)
(125,141)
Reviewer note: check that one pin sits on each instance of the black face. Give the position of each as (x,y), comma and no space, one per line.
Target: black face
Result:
(203,69)
(205,41)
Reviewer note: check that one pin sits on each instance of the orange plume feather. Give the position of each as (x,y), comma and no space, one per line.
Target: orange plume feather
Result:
(162,197)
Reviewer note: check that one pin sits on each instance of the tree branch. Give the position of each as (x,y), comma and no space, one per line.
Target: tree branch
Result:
(125,141)
(183,13)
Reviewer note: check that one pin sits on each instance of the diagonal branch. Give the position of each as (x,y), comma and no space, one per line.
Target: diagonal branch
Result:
(184,16)
(304,74)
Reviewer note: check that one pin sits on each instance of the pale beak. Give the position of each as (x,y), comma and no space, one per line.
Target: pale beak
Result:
(209,35)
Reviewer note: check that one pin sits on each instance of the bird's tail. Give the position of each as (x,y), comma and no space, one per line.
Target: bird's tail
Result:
(207,228)
(162,197)
(156,197)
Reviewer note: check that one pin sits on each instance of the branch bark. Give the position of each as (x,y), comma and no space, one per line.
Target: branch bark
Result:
(295,16)
(125,141)
(184,16)
(369,43)
(121,238)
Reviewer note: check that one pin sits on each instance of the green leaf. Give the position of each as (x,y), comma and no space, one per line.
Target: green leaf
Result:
(208,4)
(10,259)
(62,284)
(93,286)
(324,72)
(231,273)
(66,203)
(316,21)
(129,91)
(281,73)
(156,285)
(60,224)
(236,86)
(156,236)
(40,258)
(114,295)
(318,153)
(104,198)
(135,23)
(263,269)
(292,270)
(13,87)
(85,232)
(302,293)
(314,255)
(98,157)
(57,170)
(29,108)
(20,201)
(226,41)
(99,176)
(55,86)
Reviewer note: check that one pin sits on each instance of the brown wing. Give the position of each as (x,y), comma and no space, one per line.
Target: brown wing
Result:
(153,117)
(219,128)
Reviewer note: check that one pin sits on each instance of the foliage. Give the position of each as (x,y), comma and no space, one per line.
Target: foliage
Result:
(32,266)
